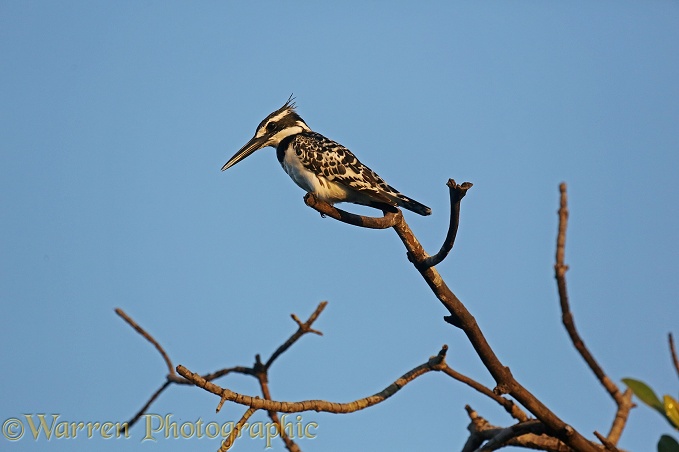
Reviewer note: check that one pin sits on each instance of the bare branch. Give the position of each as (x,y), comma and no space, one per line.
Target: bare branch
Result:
(511,408)
(476,428)
(673,352)
(502,436)
(148,337)
(607,444)
(529,435)
(345,217)
(622,414)
(228,442)
(457,192)
(220,373)
(259,371)
(264,384)
(141,412)
(303,328)
(463,319)
(434,363)
(560,269)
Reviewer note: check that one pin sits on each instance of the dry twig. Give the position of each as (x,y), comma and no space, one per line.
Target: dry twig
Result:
(259,371)
(529,434)
(148,337)
(228,442)
(511,408)
(673,352)
(622,400)
(560,269)
(434,363)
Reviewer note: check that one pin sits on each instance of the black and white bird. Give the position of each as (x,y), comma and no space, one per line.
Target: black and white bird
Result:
(321,166)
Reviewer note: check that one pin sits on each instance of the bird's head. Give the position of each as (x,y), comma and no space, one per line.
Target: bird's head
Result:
(280,124)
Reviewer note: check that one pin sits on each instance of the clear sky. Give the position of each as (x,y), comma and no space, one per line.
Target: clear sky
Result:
(116,120)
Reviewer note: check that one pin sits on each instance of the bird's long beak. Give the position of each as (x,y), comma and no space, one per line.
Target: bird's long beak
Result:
(251,146)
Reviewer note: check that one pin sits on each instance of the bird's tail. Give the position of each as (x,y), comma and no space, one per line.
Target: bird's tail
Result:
(413,205)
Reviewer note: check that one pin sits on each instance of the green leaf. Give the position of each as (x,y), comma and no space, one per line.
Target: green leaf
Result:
(645,394)
(672,410)
(668,444)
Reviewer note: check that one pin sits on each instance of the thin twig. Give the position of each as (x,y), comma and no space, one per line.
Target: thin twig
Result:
(228,442)
(302,329)
(220,373)
(560,269)
(141,412)
(607,444)
(504,435)
(434,363)
(264,385)
(148,337)
(511,408)
(457,192)
(476,428)
(259,371)
(673,352)
(528,435)
(621,416)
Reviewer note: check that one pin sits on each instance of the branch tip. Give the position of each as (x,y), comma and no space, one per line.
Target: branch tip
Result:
(148,337)
(673,352)
(456,193)
(560,269)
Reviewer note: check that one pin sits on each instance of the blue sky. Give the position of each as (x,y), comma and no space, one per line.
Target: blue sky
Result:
(117,117)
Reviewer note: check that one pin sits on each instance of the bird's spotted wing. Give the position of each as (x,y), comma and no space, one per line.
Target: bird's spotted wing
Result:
(336,163)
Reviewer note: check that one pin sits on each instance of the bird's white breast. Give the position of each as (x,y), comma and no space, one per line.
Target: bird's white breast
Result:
(321,187)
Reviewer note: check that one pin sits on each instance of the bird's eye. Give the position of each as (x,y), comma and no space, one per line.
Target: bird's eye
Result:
(270,126)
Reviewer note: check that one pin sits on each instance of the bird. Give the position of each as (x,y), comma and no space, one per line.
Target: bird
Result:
(321,166)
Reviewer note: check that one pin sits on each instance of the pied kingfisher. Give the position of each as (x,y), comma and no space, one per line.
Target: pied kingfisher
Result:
(321,166)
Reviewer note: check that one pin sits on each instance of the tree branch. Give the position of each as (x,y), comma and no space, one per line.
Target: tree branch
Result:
(302,329)
(673,352)
(622,400)
(228,442)
(502,436)
(607,444)
(148,337)
(529,434)
(457,192)
(434,363)
(463,319)
(345,217)
(509,406)
(141,412)
(259,371)
(622,414)
(560,269)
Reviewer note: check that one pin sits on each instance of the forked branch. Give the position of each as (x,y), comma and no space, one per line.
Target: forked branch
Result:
(259,371)
(461,318)
(529,434)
